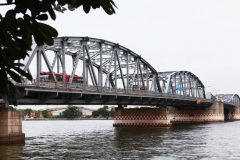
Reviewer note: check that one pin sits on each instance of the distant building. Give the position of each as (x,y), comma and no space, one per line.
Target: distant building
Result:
(85,111)
(41,115)
(32,114)
(57,113)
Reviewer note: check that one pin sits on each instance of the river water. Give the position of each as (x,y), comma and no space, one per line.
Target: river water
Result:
(98,139)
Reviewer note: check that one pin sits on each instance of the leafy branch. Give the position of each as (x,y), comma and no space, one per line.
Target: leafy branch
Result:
(16,34)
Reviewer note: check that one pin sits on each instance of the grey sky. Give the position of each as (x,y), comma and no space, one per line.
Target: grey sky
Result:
(198,36)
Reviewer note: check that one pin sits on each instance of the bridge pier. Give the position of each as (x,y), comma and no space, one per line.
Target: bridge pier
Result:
(188,114)
(10,125)
(141,117)
(232,114)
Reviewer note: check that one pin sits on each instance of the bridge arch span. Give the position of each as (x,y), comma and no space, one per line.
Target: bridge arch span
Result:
(104,63)
(233,99)
(182,83)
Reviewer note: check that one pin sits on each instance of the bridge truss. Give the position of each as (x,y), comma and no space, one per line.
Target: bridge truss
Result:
(111,74)
(105,63)
(182,83)
(229,99)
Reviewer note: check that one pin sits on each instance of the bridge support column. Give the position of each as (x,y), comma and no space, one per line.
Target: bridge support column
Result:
(10,126)
(188,114)
(141,117)
(232,114)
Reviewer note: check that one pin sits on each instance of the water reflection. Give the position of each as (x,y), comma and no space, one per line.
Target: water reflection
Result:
(140,142)
(11,151)
(99,140)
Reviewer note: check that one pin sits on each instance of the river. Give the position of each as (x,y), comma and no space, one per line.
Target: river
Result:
(98,139)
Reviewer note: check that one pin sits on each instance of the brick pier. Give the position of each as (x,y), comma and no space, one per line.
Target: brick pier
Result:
(185,114)
(232,114)
(10,126)
(141,117)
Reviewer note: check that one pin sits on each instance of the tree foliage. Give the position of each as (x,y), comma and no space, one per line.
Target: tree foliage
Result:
(37,113)
(27,111)
(104,111)
(72,112)
(23,23)
(45,113)
(15,109)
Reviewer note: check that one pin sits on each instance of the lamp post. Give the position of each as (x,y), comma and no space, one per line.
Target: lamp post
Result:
(216,93)
(207,88)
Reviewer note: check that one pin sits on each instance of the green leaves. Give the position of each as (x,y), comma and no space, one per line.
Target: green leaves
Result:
(51,12)
(23,73)
(10,18)
(9,21)
(44,33)
(72,112)
(103,111)
(16,34)
(42,17)
(107,5)
(48,29)
(9,1)
(14,76)
(27,111)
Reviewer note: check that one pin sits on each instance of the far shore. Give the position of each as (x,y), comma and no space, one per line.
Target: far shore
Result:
(56,119)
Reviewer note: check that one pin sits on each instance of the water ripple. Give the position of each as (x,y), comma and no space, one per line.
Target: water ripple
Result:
(99,140)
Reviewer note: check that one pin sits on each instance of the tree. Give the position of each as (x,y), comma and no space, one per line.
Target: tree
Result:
(72,112)
(15,109)
(45,113)
(37,113)
(144,107)
(27,111)
(95,114)
(112,112)
(103,111)
(105,107)
(22,23)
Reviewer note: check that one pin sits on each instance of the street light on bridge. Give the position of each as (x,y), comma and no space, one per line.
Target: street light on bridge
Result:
(207,88)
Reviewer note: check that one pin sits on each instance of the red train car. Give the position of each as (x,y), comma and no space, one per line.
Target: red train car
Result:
(46,77)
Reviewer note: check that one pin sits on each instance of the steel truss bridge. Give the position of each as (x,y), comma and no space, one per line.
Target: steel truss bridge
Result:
(112,74)
(230,100)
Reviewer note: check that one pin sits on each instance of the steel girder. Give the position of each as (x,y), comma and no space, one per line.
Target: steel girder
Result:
(181,83)
(107,58)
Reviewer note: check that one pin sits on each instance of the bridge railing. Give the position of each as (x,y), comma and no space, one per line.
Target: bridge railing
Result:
(91,88)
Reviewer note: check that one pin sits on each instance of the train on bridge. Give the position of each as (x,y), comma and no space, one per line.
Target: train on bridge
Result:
(77,82)
(46,77)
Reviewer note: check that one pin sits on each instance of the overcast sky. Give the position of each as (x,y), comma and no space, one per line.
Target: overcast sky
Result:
(198,36)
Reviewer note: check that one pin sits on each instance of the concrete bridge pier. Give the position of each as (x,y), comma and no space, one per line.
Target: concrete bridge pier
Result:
(232,114)
(10,125)
(141,117)
(188,114)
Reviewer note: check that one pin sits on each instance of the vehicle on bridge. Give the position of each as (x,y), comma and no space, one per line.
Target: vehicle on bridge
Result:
(141,87)
(46,77)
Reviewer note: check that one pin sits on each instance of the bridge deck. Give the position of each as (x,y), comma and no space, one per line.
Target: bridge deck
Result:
(32,95)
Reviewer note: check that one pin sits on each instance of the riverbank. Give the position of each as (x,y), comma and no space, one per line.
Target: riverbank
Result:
(56,119)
